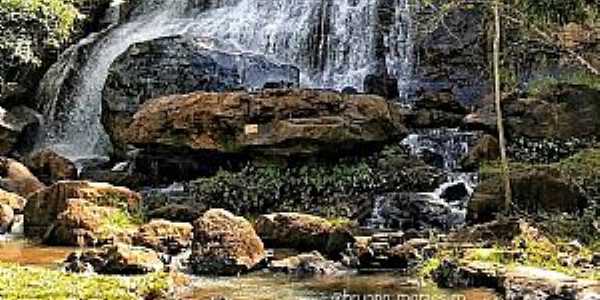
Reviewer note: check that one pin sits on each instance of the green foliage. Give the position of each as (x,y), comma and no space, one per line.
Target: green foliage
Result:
(119,221)
(430,266)
(540,85)
(60,14)
(18,282)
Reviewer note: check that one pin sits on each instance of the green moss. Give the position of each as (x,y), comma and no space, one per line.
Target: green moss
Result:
(119,221)
(18,282)
(429,267)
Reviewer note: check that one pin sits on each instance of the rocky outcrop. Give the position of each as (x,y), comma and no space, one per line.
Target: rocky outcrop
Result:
(13,200)
(224,244)
(164,236)
(535,189)
(152,69)
(305,265)
(44,207)
(560,111)
(16,178)
(280,122)
(120,259)
(14,126)
(436,109)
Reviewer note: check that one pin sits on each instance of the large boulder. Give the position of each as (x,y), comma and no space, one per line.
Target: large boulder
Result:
(14,126)
(16,178)
(535,189)
(281,122)
(486,149)
(13,200)
(178,65)
(120,259)
(44,207)
(164,236)
(294,230)
(83,223)
(224,244)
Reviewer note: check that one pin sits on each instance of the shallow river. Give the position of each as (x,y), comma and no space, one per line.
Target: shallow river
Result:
(263,285)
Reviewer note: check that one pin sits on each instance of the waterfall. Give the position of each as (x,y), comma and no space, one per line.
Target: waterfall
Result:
(335,44)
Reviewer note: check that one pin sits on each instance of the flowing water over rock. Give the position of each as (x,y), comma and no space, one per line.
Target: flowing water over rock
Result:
(335,43)
(445,207)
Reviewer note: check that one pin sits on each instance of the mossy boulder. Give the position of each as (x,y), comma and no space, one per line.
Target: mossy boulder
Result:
(120,259)
(225,244)
(45,206)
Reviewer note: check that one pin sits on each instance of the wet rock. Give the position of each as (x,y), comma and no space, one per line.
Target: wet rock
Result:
(596,259)
(279,122)
(118,259)
(44,206)
(455,192)
(14,125)
(224,244)
(175,213)
(7,217)
(83,223)
(403,256)
(294,230)
(14,201)
(51,167)
(305,265)
(16,178)
(164,236)
(382,85)
(535,189)
(152,69)
(437,109)
(486,149)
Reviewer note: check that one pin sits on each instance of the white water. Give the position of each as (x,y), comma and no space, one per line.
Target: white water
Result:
(333,42)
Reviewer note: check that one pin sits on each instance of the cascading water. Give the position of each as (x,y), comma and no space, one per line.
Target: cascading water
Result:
(446,205)
(335,43)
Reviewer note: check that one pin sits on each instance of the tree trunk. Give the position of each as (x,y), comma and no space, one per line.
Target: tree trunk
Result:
(498,97)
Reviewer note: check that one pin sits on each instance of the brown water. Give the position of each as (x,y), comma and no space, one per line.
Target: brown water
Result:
(27,253)
(267,286)
(263,286)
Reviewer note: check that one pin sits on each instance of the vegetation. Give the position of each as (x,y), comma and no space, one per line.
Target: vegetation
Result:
(61,15)
(17,282)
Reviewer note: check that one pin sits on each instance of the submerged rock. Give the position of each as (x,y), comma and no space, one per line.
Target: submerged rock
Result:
(118,259)
(16,178)
(279,122)
(44,207)
(164,236)
(306,265)
(224,244)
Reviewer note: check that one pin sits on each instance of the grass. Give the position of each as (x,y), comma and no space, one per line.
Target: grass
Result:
(17,282)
